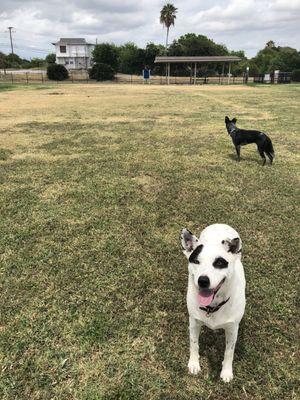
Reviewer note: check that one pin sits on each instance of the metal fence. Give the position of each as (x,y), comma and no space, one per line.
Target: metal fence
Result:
(40,77)
(181,80)
(81,76)
(279,77)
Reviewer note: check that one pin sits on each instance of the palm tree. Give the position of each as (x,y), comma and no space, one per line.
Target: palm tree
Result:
(167,18)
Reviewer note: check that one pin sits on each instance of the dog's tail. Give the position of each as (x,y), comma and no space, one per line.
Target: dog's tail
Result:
(268,147)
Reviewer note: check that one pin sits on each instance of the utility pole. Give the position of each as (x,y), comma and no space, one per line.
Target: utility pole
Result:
(11,42)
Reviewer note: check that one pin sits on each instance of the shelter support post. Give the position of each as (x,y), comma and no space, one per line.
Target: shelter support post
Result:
(223,67)
(229,73)
(195,73)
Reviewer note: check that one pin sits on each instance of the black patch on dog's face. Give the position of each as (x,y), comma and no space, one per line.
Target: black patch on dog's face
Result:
(220,263)
(233,245)
(193,257)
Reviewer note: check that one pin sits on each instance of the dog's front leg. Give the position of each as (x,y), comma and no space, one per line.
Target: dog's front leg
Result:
(238,152)
(231,332)
(195,326)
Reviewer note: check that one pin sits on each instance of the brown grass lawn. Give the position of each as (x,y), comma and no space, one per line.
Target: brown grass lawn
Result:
(95,183)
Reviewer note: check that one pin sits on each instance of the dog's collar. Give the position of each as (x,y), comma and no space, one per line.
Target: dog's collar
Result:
(232,130)
(209,310)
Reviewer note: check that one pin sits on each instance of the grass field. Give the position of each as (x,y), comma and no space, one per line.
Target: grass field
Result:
(96,182)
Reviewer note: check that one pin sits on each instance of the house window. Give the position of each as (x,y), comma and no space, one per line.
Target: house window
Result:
(63,49)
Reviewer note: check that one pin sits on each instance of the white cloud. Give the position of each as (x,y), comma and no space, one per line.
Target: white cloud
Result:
(240,24)
(283,5)
(235,9)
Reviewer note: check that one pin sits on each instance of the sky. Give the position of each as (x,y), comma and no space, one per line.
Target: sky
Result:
(239,24)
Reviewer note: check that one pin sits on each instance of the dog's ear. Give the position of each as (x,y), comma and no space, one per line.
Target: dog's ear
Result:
(234,120)
(227,120)
(232,245)
(188,241)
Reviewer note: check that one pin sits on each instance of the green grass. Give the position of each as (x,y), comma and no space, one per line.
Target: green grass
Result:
(95,186)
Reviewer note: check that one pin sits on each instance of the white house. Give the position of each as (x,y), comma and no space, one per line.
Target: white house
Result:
(74,53)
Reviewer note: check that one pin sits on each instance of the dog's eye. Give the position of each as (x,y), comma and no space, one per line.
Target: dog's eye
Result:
(220,263)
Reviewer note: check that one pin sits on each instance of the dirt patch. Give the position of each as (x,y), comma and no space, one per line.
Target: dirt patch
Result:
(55,93)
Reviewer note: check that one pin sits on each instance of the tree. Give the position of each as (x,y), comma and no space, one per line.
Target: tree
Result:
(239,68)
(196,45)
(102,72)
(253,68)
(151,51)
(289,58)
(13,61)
(167,18)
(131,58)
(296,75)
(2,60)
(270,44)
(57,72)
(50,58)
(277,58)
(106,53)
(238,53)
(37,62)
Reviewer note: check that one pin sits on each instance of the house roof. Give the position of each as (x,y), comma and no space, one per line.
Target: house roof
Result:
(64,41)
(197,59)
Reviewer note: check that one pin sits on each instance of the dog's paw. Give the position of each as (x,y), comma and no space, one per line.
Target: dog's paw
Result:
(194,367)
(226,374)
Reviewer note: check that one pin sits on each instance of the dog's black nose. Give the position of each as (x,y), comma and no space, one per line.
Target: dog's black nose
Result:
(203,281)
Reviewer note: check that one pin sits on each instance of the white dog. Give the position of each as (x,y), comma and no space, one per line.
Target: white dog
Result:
(216,288)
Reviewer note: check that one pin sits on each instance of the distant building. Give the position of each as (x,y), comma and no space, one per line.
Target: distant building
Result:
(74,53)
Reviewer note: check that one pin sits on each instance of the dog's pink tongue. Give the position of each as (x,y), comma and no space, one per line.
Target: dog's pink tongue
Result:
(205,297)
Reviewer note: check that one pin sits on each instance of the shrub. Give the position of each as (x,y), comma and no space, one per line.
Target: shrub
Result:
(296,75)
(102,72)
(57,72)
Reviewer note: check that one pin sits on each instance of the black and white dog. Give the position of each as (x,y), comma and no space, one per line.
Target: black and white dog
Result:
(241,137)
(216,288)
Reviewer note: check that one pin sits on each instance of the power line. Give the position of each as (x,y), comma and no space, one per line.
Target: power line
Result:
(13,47)
(31,48)
(32,32)
(36,42)
(27,49)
